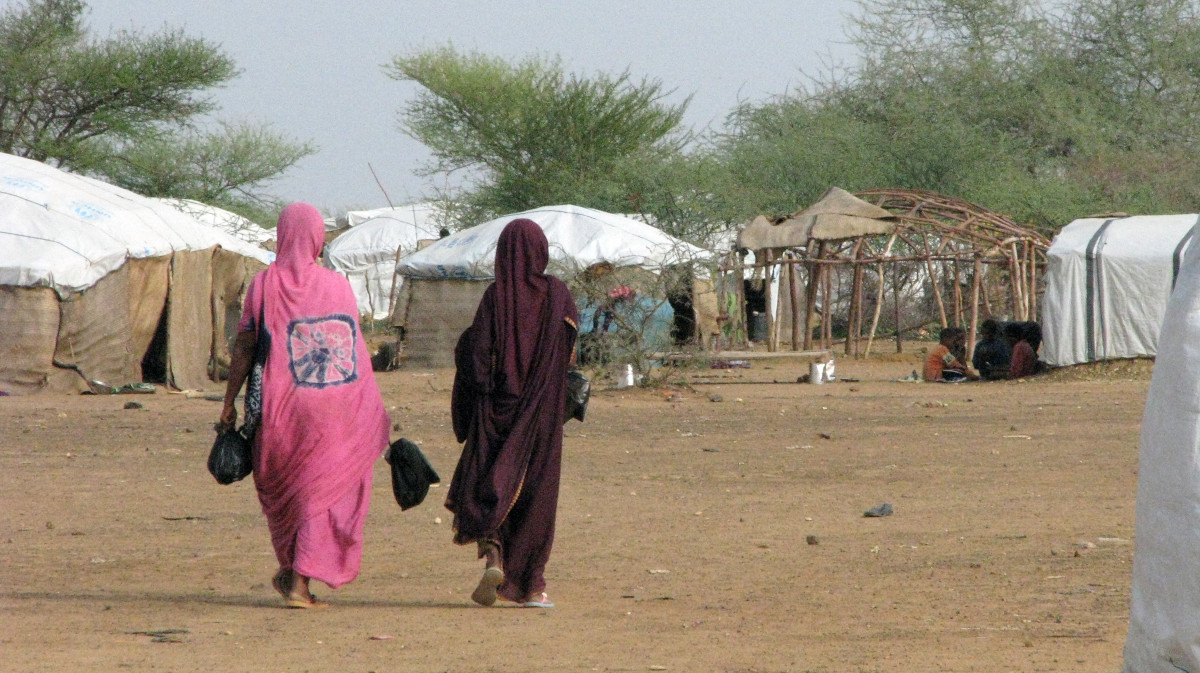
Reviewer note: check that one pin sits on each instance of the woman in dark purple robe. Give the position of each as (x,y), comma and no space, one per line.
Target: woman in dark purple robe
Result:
(508,407)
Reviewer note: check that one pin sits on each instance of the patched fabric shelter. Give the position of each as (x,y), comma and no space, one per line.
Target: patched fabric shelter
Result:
(101,287)
(1107,284)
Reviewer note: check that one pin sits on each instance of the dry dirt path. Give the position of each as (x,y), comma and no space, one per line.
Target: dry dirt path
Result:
(683,536)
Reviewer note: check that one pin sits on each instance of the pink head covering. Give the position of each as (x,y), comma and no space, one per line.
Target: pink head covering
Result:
(301,234)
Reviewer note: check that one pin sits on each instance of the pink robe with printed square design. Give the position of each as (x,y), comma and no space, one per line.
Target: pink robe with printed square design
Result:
(323,422)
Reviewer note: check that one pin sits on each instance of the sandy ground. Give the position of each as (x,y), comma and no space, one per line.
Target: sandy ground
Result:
(693,535)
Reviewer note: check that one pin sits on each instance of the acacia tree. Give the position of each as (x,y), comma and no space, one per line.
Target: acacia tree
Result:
(103,106)
(1044,114)
(529,134)
(228,167)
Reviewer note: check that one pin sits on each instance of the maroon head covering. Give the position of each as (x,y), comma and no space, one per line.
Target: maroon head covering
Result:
(522,288)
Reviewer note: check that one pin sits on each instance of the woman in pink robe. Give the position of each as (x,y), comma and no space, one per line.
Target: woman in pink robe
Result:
(323,422)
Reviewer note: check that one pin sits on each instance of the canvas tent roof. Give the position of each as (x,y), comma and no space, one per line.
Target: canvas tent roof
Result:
(422,215)
(377,239)
(67,231)
(366,253)
(579,237)
(836,215)
(1107,285)
(219,218)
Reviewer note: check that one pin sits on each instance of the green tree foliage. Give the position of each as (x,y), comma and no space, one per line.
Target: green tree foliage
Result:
(126,107)
(529,134)
(1044,114)
(228,167)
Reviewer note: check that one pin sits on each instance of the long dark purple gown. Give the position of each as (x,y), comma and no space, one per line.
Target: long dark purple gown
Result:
(508,401)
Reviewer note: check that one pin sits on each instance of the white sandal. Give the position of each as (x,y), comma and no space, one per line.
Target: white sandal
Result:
(543,601)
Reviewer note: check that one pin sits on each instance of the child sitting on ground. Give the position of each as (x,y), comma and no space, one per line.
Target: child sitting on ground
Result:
(942,364)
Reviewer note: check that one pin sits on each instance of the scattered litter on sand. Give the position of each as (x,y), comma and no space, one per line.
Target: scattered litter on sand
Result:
(884,509)
(162,635)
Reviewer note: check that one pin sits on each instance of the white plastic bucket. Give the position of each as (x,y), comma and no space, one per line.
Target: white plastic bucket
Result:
(829,375)
(816,373)
(625,377)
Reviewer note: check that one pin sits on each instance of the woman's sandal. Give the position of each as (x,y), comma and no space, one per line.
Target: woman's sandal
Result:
(485,593)
(538,601)
(302,603)
(284,582)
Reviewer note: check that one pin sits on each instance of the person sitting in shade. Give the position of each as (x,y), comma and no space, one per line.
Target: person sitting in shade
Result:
(942,364)
(1024,358)
(992,353)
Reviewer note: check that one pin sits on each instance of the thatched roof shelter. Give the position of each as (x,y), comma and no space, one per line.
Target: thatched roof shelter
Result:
(940,251)
(838,214)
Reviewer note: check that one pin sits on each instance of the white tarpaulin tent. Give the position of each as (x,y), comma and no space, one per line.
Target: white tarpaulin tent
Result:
(67,231)
(423,214)
(579,237)
(1107,285)
(445,280)
(366,254)
(93,278)
(1164,610)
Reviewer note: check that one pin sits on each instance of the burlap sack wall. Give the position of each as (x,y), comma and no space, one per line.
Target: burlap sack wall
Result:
(229,277)
(189,319)
(29,317)
(399,315)
(95,335)
(438,311)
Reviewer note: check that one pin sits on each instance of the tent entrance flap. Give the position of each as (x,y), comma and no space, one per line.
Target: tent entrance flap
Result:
(189,319)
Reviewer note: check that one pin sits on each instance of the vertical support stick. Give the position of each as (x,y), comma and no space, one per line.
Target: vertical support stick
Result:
(794,295)
(1033,302)
(810,299)
(855,308)
(896,304)
(878,295)
(768,298)
(722,307)
(958,303)
(1016,270)
(937,291)
(826,308)
(976,284)
(742,325)
(395,274)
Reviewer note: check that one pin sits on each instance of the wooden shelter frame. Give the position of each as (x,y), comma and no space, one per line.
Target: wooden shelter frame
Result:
(956,243)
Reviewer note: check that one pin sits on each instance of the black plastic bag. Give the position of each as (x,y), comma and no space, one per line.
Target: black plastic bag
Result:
(229,460)
(411,473)
(579,389)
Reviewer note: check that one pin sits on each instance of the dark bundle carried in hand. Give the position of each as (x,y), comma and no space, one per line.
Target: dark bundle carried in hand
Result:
(229,460)
(411,473)
(579,389)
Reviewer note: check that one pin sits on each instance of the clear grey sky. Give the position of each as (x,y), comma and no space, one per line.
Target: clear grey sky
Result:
(314,69)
